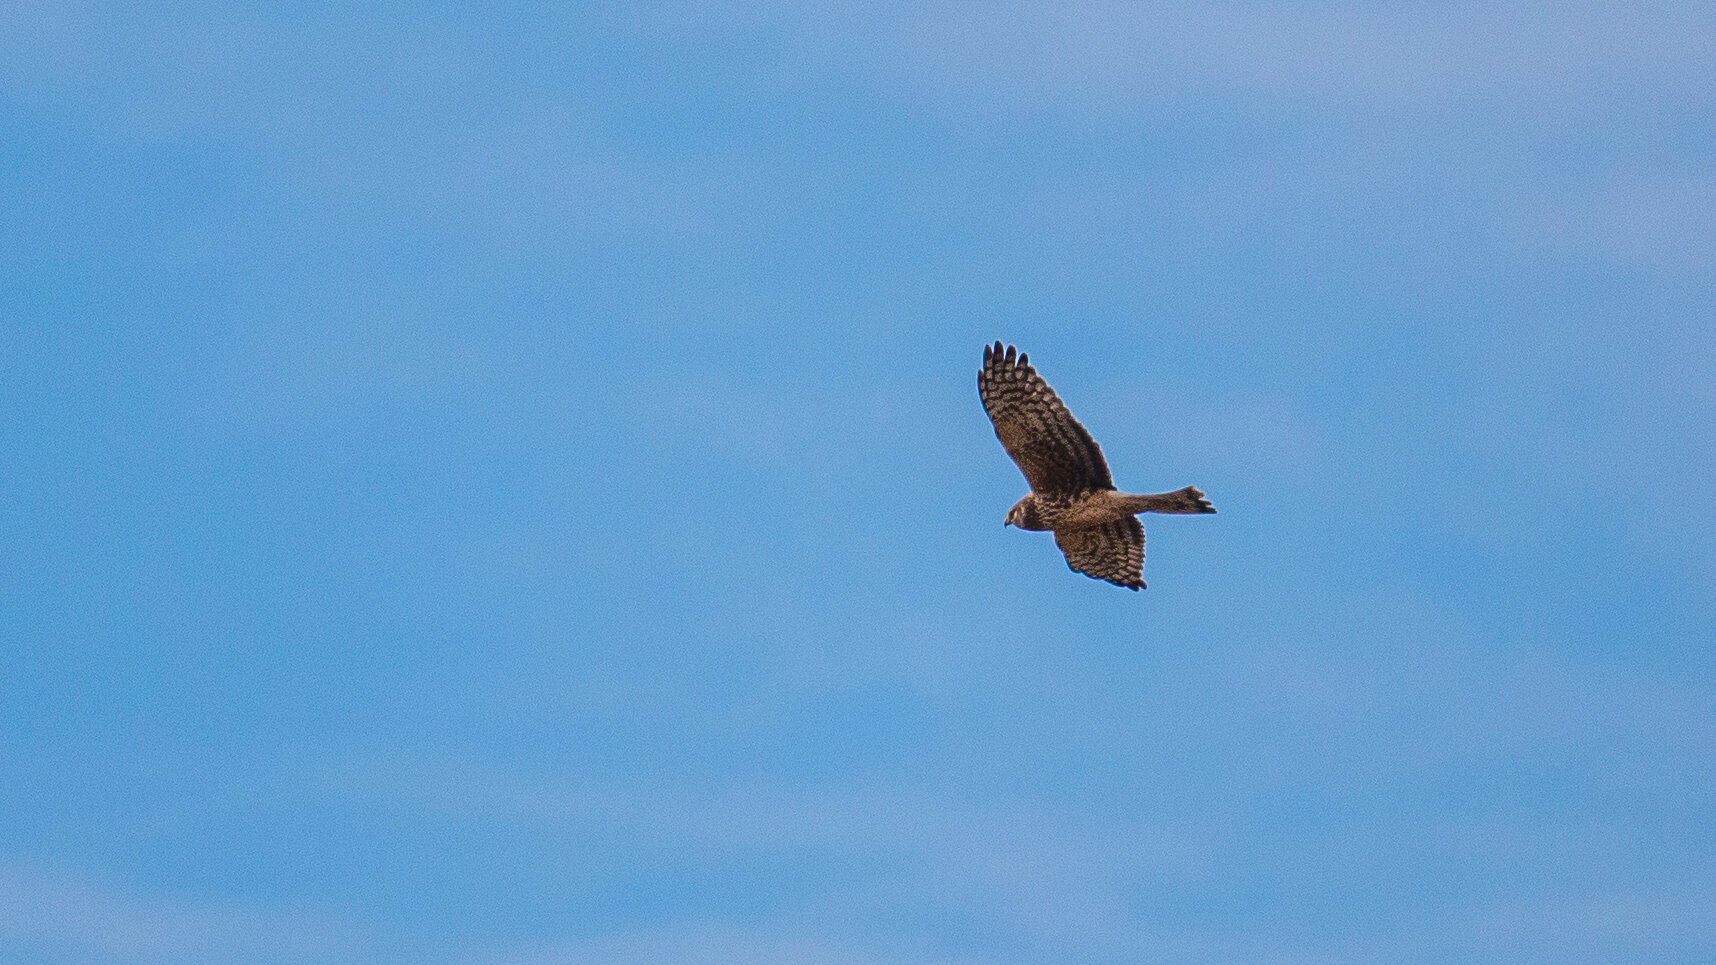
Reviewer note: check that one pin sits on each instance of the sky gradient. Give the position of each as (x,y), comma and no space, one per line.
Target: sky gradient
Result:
(506,485)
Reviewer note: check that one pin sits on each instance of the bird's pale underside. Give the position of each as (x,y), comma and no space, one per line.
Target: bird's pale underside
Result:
(1072,494)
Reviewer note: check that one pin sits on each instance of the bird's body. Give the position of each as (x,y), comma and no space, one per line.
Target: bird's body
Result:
(1072,493)
(1100,506)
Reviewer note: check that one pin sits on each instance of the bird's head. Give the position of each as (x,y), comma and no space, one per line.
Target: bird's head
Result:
(1023,515)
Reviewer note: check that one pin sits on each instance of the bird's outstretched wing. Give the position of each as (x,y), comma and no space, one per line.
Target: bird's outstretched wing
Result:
(1056,454)
(1113,551)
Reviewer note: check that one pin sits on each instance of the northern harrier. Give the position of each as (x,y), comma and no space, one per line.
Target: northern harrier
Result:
(1072,495)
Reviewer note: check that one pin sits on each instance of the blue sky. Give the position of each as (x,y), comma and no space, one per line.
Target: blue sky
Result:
(506,485)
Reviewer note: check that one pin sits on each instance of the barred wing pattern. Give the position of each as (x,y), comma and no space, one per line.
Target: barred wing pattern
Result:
(1056,454)
(1112,551)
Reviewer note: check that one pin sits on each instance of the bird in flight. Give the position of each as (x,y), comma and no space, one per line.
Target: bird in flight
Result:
(1072,494)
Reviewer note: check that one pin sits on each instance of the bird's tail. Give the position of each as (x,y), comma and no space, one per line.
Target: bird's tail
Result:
(1187,500)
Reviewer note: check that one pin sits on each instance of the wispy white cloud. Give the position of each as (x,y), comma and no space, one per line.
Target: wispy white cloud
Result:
(708,816)
(1619,925)
(1094,54)
(1658,221)
(1333,55)
(693,945)
(52,915)
(1624,924)
(1368,722)
(1040,874)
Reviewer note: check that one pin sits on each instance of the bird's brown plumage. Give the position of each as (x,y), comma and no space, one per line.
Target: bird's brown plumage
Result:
(1054,451)
(1072,492)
